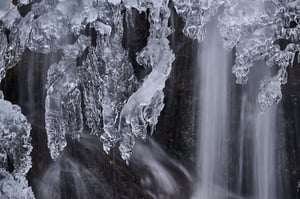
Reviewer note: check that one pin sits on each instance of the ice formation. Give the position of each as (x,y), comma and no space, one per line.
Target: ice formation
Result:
(63,100)
(254,29)
(15,148)
(196,14)
(257,30)
(94,86)
(117,107)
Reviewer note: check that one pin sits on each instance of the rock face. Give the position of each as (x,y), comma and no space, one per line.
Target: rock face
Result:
(175,129)
(291,114)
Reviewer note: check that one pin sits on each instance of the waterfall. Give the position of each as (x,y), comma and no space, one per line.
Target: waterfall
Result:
(256,150)
(214,90)
(265,131)
(259,167)
(264,155)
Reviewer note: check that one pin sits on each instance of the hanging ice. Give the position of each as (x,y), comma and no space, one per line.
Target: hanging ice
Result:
(15,146)
(114,76)
(63,102)
(103,81)
(144,106)
(196,14)
(254,29)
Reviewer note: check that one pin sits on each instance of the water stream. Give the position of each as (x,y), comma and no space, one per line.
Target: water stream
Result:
(214,90)
(258,132)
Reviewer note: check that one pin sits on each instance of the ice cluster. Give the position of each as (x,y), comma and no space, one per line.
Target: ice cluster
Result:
(256,29)
(93,87)
(15,148)
(196,14)
(94,84)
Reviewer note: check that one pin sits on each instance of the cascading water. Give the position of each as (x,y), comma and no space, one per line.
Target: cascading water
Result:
(259,143)
(214,90)
(264,156)
(258,132)
(265,173)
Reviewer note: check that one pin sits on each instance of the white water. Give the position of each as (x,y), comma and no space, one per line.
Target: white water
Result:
(213,122)
(265,172)
(163,178)
(264,155)
(257,175)
(258,132)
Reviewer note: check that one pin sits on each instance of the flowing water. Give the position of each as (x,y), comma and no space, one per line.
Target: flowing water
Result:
(267,163)
(260,162)
(264,155)
(256,172)
(214,114)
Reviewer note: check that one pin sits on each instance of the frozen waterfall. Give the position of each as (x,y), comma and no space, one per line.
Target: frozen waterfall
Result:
(84,83)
